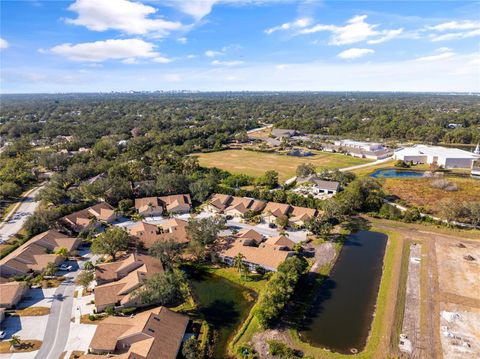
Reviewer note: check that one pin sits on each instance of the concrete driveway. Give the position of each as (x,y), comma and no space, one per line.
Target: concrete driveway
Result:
(38,297)
(25,327)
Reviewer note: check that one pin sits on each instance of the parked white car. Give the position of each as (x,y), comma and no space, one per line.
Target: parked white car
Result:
(65,267)
(2,334)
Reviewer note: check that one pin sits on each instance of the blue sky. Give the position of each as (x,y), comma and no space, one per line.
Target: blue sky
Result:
(120,45)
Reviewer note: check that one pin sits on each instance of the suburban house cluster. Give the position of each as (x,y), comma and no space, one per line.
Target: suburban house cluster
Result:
(153,334)
(156,206)
(34,255)
(270,212)
(442,156)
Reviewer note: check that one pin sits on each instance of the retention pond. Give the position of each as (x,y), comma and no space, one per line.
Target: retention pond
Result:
(341,317)
(222,303)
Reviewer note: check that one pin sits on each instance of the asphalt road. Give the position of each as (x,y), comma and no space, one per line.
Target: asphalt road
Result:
(59,319)
(58,325)
(14,223)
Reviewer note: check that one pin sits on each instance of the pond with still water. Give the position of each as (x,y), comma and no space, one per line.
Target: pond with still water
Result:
(342,315)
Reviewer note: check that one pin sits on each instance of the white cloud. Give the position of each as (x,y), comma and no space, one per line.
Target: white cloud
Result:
(122,15)
(227,63)
(127,50)
(454,30)
(455,35)
(354,53)
(387,36)
(3,43)
(356,30)
(455,25)
(162,59)
(195,8)
(212,53)
(191,56)
(297,24)
(442,53)
(182,40)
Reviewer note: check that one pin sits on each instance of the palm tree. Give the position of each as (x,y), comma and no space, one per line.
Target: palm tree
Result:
(14,341)
(238,263)
(62,251)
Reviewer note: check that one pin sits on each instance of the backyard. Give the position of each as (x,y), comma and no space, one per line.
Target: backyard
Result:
(256,163)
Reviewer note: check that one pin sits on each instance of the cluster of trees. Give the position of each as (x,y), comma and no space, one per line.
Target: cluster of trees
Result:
(279,289)
(16,163)
(454,210)
(361,195)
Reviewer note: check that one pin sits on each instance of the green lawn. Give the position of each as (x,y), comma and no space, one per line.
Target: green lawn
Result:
(256,163)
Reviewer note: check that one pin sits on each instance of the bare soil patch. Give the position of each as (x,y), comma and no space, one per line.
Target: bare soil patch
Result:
(459,331)
(456,274)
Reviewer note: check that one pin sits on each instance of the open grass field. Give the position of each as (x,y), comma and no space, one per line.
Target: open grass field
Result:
(256,163)
(419,192)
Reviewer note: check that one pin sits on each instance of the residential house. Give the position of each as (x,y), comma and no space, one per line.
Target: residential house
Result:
(265,256)
(317,186)
(121,280)
(274,211)
(34,255)
(300,216)
(441,156)
(145,234)
(90,217)
(250,234)
(177,203)
(153,334)
(11,293)
(174,229)
(218,203)
(149,206)
(238,206)
(282,243)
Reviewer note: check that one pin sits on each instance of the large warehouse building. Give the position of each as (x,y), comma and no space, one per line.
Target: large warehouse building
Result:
(445,157)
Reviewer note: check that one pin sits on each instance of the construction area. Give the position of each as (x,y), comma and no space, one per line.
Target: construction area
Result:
(458,264)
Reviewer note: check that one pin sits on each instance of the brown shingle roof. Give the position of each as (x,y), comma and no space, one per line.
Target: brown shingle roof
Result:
(10,293)
(250,234)
(269,257)
(156,333)
(276,209)
(148,204)
(220,201)
(175,229)
(176,202)
(145,232)
(281,241)
(33,255)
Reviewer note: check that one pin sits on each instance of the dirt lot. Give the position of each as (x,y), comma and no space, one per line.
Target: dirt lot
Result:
(460,331)
(457,275)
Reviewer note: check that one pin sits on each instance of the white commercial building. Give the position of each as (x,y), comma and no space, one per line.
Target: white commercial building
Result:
(365,146)
(442,156)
